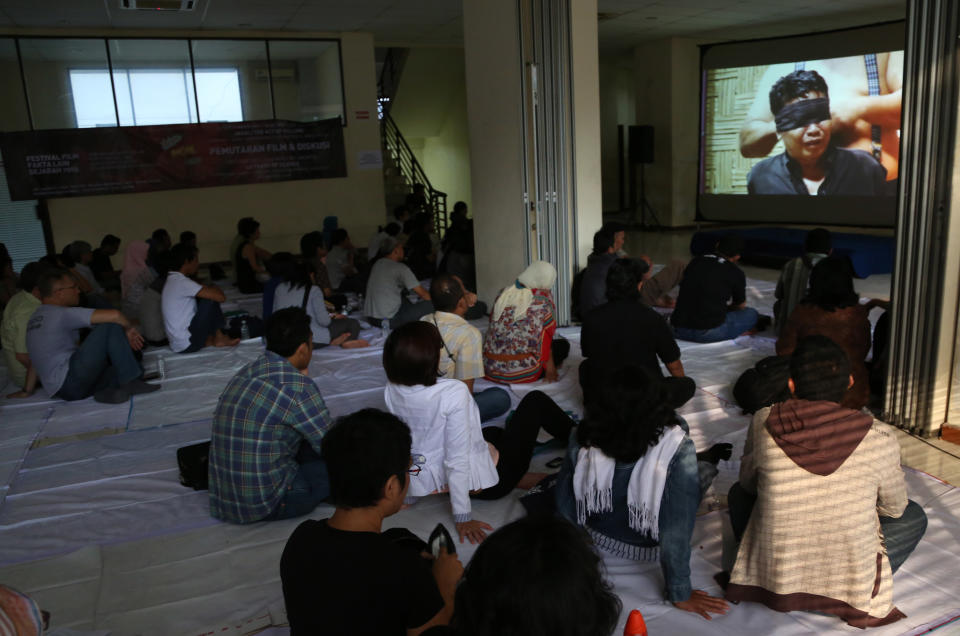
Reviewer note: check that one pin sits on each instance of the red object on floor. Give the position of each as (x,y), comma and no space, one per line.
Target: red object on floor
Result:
(635,625)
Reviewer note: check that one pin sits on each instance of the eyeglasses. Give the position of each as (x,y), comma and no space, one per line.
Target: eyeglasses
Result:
(416,464)
(74,286)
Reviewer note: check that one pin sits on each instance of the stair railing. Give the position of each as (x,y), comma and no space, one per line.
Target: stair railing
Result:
(412,172)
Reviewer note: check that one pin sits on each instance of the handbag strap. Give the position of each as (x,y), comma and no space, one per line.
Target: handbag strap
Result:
(306,297)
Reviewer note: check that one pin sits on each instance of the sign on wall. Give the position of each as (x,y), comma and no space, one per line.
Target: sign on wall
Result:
(90,161)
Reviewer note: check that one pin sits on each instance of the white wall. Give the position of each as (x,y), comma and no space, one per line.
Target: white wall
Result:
(286,210)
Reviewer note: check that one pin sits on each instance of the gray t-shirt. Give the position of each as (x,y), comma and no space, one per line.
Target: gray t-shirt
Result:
(52,338)
(387,281)
(287,295)
(337,259)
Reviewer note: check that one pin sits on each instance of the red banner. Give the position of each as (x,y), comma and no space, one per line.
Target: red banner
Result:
(90,161)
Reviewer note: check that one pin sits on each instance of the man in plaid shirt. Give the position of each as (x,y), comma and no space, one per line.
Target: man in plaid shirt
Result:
(267,428)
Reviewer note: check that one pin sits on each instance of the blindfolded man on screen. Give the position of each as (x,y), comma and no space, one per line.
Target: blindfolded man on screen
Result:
(800,103)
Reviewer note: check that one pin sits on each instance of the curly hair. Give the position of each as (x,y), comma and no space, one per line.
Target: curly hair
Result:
(627,416)
(537,576)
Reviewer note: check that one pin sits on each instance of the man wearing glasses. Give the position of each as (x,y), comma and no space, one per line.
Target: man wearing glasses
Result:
(103,365)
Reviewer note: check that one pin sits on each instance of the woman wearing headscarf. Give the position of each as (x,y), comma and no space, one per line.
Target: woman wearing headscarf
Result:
(134,262)
(518,347)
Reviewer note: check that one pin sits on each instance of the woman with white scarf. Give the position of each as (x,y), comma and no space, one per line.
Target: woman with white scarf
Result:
(632,478)
(518,346)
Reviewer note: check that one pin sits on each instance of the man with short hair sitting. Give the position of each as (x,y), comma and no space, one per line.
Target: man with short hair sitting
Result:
(267,427)
(102,266)
(192,317)
(103,365)
(712,304)
(821,503)
(389,279)
(345,574)
(625,331)
(341,268)
(13,330)
(462,355)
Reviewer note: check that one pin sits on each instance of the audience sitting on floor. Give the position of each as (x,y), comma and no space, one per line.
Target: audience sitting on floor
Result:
(821,507)
(78,255)
(8,277)
(341,268)
(794,279)
(188,238)
(625,331)
(420,256)
(103,365)
(192,318)
(348,575)
(457,247)
(462,355)
(297,289)
(632,478)
(162,237)
(712,304)
(133,296)
(607,247)
(519,346)
(277,266)
(314,253)
(832,308)
(265,441)
(390,230)
(150,311)
(134,262)
(102,266)
(450,450)
(386,300)
(248,259)
(13,330)
(537,576)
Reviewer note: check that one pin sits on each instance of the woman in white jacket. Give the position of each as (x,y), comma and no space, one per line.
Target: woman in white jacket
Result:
(451,453)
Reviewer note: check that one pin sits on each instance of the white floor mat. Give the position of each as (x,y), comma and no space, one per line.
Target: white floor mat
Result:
(95,525)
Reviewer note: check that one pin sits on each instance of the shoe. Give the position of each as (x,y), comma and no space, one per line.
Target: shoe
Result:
(138,387)
(111,395)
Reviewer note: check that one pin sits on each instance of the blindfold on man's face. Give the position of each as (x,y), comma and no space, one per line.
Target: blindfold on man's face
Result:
(802,113)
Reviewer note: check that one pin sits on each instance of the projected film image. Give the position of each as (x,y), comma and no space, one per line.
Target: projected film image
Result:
(827,127)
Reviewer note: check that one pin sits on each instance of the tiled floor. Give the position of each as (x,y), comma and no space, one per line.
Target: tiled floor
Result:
(933,456)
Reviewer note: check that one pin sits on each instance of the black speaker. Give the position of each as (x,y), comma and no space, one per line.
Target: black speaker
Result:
(641,144)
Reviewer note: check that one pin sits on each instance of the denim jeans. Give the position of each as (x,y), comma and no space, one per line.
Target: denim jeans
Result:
(736,323)
(687,480)
(103,360)
(309,488)
(492,402)
(205,323)
(901,535)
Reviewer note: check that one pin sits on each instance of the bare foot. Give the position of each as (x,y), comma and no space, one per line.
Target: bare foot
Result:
(530,480)
(355,344)
(339,340)
(223,340)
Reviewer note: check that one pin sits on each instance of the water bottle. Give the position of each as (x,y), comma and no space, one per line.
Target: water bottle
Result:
(385,327)
(244,329)
(161,371)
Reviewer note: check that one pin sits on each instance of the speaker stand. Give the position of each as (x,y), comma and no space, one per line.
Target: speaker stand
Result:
(643,206)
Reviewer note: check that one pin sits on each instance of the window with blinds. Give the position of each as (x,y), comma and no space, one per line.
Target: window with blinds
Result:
(20,229)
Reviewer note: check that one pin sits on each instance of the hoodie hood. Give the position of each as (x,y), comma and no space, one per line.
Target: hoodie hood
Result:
(817,436)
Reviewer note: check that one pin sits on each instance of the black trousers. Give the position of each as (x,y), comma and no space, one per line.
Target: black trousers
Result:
(516,441)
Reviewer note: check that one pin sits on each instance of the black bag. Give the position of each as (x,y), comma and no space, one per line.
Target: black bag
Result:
(764,384)
(193,461)
(254,326)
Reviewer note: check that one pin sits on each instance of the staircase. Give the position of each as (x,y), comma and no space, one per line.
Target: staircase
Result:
(400,166)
